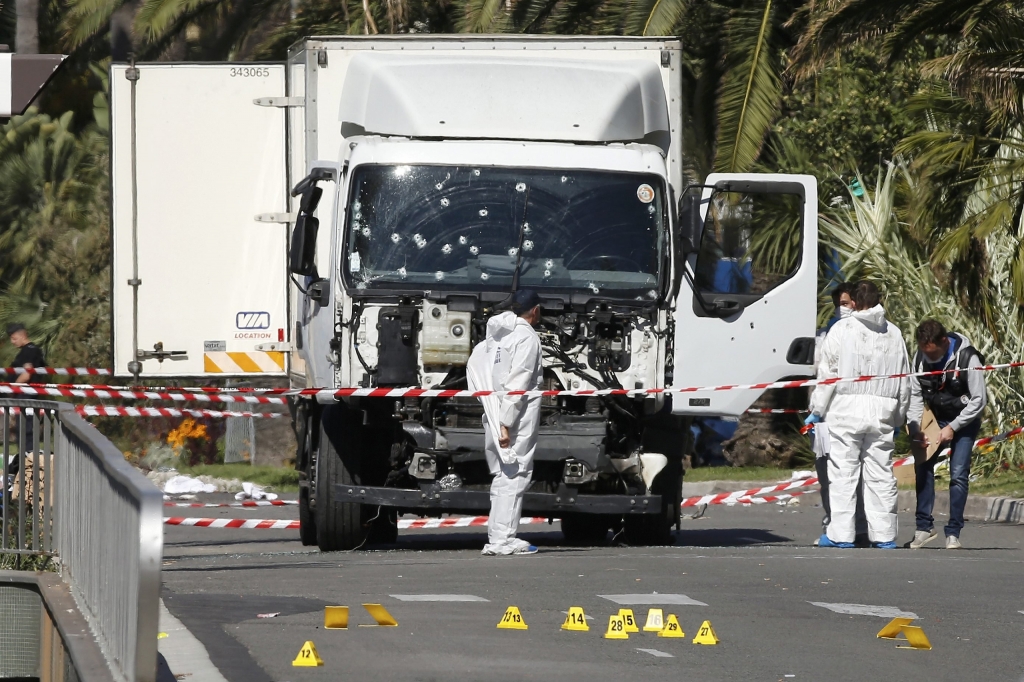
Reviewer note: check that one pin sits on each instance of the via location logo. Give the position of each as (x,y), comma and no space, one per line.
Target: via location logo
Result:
(248,320)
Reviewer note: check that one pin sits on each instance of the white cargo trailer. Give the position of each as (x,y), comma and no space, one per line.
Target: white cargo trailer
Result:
(450,167)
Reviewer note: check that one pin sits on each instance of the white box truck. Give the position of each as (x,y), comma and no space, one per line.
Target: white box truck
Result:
(352,217)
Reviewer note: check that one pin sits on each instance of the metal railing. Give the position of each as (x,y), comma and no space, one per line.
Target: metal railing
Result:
(74,498)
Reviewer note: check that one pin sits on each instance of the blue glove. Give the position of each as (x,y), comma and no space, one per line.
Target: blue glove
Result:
(812,419)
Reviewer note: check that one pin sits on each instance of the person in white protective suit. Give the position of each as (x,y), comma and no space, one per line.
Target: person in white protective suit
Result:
(509,359)
(862,418)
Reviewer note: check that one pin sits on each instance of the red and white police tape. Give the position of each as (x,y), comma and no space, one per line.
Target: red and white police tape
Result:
(742,497)
(108,411)
(265,396)
(69,392)
(67,371)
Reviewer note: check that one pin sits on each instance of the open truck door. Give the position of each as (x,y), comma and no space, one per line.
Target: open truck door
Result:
(200,223)
(747,302)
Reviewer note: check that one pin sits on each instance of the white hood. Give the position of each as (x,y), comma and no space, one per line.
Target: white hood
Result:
(501,325)
(872,318)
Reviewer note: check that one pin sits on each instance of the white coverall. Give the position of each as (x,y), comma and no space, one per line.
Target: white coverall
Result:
(862,418)
(508,359)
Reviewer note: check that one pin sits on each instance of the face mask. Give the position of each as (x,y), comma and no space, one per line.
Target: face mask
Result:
(845,312)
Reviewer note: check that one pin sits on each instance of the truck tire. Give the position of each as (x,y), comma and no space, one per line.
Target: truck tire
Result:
(656,529)
(307,521)
(305,461)
(339,525)
(585,530)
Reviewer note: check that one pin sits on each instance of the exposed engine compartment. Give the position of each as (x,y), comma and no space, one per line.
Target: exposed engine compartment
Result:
(594,444)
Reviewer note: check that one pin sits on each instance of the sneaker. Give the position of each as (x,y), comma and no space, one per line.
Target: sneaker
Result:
(953,542)
(529,549)
(922,538)
(884,545)
(522,547)
(823,541)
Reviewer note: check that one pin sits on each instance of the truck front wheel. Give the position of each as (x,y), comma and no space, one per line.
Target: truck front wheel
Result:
(656,529)
(339,525)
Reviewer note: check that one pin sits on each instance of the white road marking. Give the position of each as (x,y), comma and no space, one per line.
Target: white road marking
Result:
(185,654)
(437,597)
(651,599)
(865,610)
(656,653)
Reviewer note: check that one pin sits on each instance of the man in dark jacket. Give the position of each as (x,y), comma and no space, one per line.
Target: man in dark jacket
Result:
(29,357)
(956,398)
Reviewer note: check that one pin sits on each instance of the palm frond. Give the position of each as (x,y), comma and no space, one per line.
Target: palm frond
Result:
(751,87)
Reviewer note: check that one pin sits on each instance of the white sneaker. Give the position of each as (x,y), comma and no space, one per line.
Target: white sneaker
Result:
(922,538)
(506,549)
(953,542)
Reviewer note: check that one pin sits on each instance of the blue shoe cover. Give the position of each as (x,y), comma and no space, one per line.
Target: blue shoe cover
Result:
(884,545)
(825,542)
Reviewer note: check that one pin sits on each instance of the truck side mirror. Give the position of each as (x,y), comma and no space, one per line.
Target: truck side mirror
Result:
(690,222)
(302,258)
(310,199)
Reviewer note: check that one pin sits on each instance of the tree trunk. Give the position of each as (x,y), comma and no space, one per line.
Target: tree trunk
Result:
(26,39)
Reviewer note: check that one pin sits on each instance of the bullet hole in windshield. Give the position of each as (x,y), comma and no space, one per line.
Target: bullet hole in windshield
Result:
(439,186)
(549,263)
(474,250)
(520,186)
(547,273)
(445,202)
(651,209)
(446,249)
(565,179)
(420,241)
(356,206)
(476,172)
(463,240)
(527,229)
(484,276)
(527,245)
(402,272)
(395,237)
(366,232)
(593,287)
(483,212)
(512,252)
(439,275)
(652,294)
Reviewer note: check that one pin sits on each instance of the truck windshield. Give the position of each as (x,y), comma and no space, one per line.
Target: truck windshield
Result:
(456,227)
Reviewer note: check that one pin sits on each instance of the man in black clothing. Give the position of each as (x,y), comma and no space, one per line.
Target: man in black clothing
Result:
(28,358)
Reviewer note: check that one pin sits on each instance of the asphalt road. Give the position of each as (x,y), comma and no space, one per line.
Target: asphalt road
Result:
(782,608)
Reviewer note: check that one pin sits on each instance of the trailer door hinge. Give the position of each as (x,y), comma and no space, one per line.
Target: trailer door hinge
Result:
(274,217)
(280,101)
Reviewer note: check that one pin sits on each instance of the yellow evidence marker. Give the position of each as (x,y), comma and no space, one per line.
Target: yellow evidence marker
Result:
(706,634)
(672,629)
(335,617)
(616,628)
(893,627)
(655,621)
(512,620)
(629,620)
(381,615)
(308,657)
(576,620)
(916,639)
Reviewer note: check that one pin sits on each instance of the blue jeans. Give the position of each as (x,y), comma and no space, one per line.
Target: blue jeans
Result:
(959,471)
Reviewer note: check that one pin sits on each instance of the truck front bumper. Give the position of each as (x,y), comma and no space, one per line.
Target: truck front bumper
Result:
(564,501)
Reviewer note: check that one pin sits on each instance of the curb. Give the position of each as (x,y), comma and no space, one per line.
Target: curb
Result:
(979,509)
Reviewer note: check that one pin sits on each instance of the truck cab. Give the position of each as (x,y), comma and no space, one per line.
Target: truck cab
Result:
(427,179)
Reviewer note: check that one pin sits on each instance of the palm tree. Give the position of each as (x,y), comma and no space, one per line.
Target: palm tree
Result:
(967,158)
